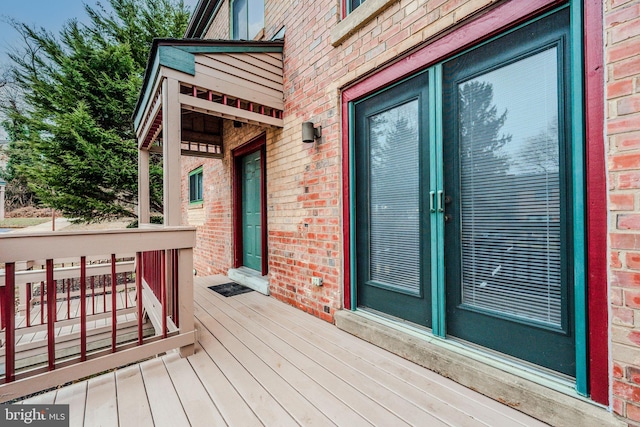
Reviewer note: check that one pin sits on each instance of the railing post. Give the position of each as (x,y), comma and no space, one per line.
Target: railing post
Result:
(185,296)
(9,311)
(139,269)
(51,315)
(114,308)
(83,308)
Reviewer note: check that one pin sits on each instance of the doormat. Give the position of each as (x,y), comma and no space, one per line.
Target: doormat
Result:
(230,289)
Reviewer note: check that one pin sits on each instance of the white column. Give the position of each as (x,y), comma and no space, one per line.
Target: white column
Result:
(171,151)
(143,187)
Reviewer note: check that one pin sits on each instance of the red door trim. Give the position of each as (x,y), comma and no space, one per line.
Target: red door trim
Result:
(596,203)
(257,144)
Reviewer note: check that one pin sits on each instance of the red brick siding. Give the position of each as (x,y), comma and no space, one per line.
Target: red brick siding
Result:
(304,180)
(622,38)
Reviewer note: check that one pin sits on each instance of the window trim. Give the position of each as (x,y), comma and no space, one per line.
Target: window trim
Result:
(358,18)
(255,36)
(594,378)
(196,171)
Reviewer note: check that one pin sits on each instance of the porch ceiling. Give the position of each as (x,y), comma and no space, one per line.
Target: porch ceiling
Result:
(218,80)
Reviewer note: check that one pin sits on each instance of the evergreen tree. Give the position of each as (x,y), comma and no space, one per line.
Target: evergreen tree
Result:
(480,136)
(80,89)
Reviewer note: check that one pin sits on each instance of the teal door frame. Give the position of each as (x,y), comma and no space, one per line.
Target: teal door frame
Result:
(577,208)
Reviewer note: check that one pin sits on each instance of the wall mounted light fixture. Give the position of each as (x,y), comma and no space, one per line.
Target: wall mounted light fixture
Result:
(309,133)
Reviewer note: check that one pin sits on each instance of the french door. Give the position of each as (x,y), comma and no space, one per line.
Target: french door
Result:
(501,197)
(393,224)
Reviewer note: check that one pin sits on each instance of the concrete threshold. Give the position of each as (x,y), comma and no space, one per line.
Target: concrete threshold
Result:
(547,404)
(250,278)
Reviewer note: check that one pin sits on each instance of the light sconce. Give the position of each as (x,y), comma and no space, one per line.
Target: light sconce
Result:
(309,133)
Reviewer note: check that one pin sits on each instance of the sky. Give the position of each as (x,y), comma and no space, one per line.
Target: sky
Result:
(50,14)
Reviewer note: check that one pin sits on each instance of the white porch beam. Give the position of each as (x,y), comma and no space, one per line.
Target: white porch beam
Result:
(144,215)
(171,148)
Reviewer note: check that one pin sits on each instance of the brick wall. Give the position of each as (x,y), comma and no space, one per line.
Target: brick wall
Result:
(304,183)
(622,49)
(219,28)
(304,180)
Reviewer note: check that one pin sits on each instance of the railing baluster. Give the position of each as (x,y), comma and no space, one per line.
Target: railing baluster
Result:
(104,293)
(42,303)
(139,269)
(51,313)
(55,298)
(93,296)
(126,290)
(27,307)
(176,311)
(83,308)
(2,310)
(9,312)
(68,298)
(163,292)
(113,303)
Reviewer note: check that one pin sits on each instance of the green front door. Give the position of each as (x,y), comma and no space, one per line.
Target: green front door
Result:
(251,211)
(392,198)
(479,211)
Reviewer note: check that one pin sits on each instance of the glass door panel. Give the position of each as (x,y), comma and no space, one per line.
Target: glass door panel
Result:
(392,237)
(507,238)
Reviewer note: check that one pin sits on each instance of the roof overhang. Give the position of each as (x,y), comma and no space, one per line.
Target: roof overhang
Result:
(201,18)
(228,79)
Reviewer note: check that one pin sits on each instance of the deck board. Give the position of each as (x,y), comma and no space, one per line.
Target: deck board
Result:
(427,381)
(196,402)
(372,399)
(261,362)
(166,408)
(235,411)
(451,402)
(75,396)
(297,376)
(101,407)
(133,406)
(236,342)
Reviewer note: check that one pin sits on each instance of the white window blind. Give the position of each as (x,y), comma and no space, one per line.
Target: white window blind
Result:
(510,190)
(395,197)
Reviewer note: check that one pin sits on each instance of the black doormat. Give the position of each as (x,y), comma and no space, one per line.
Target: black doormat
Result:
(230,289)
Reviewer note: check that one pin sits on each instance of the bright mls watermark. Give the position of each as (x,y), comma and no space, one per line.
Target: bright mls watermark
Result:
(34,415)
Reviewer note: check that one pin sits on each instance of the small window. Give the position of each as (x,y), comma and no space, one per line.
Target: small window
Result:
(195,186)
(247,19)
(352,4)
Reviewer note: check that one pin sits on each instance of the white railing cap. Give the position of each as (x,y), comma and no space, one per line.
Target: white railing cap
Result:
(67,244)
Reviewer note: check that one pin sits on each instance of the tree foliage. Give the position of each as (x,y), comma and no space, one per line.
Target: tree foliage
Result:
(480,126)
(79,91)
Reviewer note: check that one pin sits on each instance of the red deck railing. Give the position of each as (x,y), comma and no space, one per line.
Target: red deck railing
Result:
(76,290)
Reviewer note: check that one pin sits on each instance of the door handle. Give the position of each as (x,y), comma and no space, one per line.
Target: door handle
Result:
(440,201)
(432,201)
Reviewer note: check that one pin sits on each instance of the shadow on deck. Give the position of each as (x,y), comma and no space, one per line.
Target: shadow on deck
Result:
(261,362)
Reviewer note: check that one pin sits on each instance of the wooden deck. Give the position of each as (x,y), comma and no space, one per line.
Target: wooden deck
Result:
(261,362)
